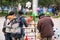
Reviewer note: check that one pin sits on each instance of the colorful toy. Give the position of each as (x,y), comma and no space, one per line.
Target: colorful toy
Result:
(28,19)
(56,33)
(26,37)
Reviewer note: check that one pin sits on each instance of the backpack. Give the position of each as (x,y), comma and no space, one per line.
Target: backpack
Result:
(15,25)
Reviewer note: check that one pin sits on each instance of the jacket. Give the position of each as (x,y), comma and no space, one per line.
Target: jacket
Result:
(45,27)
(6,27)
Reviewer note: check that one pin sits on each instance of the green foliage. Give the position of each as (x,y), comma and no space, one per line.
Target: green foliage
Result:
(45,2)
(48,2)
(23,2)
(13,2)
(48,14)
(3,14)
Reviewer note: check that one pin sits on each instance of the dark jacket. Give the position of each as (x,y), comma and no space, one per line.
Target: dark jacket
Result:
(23,22)
(45,27)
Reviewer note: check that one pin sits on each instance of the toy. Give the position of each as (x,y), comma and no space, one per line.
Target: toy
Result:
(56,33)
(28,19)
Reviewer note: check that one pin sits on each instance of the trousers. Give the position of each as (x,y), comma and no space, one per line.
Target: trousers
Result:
(8,36)
(47,38)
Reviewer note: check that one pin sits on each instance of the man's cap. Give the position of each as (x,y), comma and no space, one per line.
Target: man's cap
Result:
(41,15)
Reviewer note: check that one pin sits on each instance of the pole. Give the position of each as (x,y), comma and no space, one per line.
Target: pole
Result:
(35,5)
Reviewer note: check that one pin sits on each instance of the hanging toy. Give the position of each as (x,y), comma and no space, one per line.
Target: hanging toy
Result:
(29,19)
(26,37)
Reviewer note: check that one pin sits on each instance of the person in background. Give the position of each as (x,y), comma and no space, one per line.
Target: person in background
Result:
(41,10)
(7,27)
(45,27)
(49,9)
(54,11)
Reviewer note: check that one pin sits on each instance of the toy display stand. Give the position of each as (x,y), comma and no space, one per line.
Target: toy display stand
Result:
(31,32)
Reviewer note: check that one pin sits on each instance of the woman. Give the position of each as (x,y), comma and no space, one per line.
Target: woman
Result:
(6,28)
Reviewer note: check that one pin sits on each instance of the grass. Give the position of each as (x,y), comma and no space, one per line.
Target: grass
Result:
(3,14)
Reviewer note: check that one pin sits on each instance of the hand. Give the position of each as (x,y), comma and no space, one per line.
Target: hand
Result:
(3,30)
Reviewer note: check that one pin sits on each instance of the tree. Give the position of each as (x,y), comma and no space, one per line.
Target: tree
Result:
(44,2)
(48,2)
